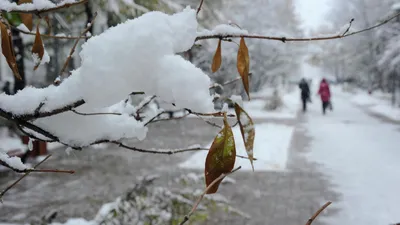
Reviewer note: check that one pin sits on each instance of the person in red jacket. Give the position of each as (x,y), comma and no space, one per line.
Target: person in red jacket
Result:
(325,94)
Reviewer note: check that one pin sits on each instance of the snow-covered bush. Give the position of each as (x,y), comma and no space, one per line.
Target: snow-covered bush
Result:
(149,203)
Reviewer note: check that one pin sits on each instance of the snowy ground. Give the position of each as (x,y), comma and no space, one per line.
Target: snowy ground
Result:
(377,103)
(348,156)
(360,153)
(271,147)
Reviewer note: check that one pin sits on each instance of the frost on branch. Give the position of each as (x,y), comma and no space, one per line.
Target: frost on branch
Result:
(138,55)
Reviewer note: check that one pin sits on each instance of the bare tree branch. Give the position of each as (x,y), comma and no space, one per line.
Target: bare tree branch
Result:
(38,114)
(285,39)
(47,35)
(199,8)
(38,12)
(22,177)
(221,177)
(76,43)
(309,222)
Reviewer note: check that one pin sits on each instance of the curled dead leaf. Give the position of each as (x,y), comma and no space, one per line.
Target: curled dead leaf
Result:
(221,157)
(217,60)
(247,130)
(37,49)
(8,50)
(243,64)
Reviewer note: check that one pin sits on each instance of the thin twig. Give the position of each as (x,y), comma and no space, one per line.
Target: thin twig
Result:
(215,114)
(209,122)
(49,171)
(234,80)
(309,222)
(141,107)
(76,43)
(285,39)
(35,11)
(199,8)
(348,28)
(154,119)
(31,135)
(163,151)
(196,204)
(22,177)
(95,114)
(47,35)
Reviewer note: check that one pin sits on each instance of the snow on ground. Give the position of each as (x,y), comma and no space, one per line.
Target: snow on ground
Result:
(361,155)
(377,103)
(271,146)
(256,107)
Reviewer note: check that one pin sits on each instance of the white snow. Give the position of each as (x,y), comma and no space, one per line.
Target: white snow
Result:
(377,103)
(223,29)
(144,59)
(23,27)
(35,5)
(360,154)
(13,162)
(271,146)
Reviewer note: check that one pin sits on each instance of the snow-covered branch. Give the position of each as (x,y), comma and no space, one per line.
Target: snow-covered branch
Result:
(38,6)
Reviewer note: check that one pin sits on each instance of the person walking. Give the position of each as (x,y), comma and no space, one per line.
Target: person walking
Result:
(325,93)
(305,93)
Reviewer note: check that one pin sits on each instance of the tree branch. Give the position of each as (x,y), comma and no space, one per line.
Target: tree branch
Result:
(76,43)
(38,114)
(199,8)
(221,177)
(285,39)
(309,222)
(47,35)
(22,177)
(41,11)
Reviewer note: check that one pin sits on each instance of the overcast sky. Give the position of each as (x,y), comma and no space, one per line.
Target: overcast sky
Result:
(312,12)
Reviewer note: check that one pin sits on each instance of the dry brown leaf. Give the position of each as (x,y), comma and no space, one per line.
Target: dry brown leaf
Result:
(8,50)
(243,65)
(37,49)
(221,157)
(248,131)
(27,18)
(217,60)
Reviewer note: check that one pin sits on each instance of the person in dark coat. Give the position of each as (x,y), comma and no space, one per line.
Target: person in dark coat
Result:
(325,93)
(305,93)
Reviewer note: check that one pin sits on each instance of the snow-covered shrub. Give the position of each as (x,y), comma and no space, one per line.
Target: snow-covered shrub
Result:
(273,102)
(148,203)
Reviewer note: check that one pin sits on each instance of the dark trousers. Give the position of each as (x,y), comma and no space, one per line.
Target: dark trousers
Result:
(304,101)
(325,106)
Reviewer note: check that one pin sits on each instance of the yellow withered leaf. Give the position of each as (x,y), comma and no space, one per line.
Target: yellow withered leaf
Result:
(27,18)
(8,50)
(217,60)
(221,157)
(243,65)
(37,49)
(248,131)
